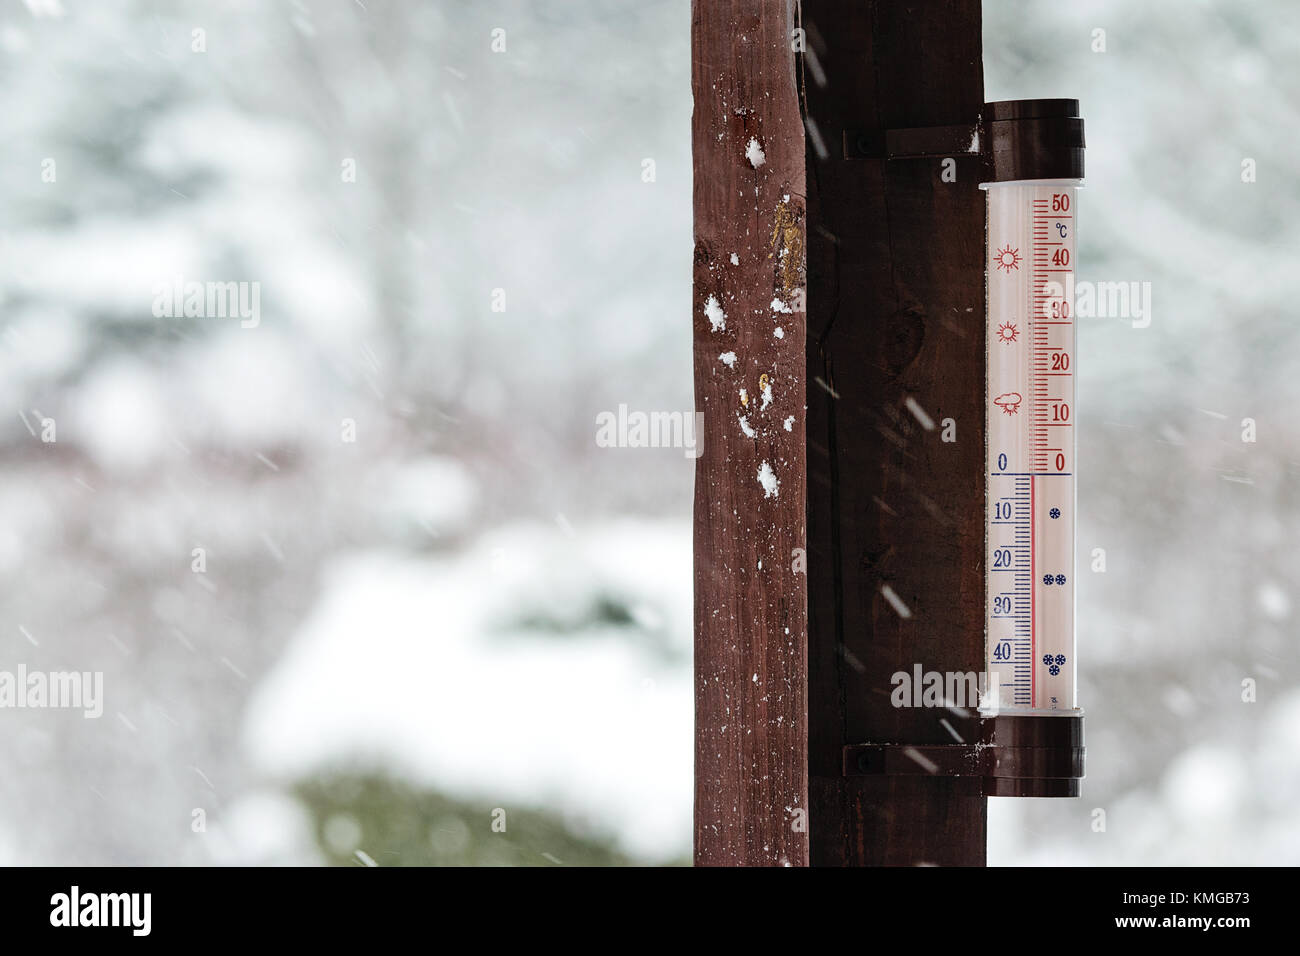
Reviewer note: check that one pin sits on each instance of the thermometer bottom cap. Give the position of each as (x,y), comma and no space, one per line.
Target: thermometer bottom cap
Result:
(1034,754)
(1017,755)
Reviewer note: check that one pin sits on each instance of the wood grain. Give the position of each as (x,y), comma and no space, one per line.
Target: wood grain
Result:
(751,756)
(895,312)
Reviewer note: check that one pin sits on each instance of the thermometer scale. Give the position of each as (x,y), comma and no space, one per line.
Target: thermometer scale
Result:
(1032,199)
(1030,445)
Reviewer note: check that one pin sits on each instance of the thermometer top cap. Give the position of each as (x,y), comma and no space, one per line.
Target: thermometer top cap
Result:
(1033,139)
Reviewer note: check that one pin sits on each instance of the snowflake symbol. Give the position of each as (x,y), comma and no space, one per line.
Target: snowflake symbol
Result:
(1060,579)
(1054,664)
(1055,512)
(1047,579)
(1047,659)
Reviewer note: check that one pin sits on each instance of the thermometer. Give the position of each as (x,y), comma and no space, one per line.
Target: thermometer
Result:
(1030,728)
(1032,201)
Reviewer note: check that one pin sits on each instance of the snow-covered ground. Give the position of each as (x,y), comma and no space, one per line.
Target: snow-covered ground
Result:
(490,674)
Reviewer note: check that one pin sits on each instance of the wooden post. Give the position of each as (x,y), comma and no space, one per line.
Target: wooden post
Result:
(751,791)
(895,355)
(894,361)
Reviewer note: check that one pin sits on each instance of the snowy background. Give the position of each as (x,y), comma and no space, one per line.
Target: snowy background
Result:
(471,607)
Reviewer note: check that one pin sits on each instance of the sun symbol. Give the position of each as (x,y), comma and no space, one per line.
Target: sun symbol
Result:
(1008,258)
(1007,332)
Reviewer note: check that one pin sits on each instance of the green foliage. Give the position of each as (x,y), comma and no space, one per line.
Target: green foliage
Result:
(402,825)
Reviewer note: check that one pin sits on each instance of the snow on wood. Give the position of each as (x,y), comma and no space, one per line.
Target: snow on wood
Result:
(751,790)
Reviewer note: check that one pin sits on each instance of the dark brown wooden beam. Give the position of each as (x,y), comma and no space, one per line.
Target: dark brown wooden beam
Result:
(895,313)
(751,792)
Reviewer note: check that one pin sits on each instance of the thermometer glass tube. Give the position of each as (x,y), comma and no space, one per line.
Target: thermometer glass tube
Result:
(1030,415)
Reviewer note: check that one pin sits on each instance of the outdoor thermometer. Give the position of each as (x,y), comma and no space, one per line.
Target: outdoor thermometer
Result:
(1027,738)
(1032,201)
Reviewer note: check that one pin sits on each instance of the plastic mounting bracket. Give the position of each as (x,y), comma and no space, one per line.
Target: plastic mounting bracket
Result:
(1016,755)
